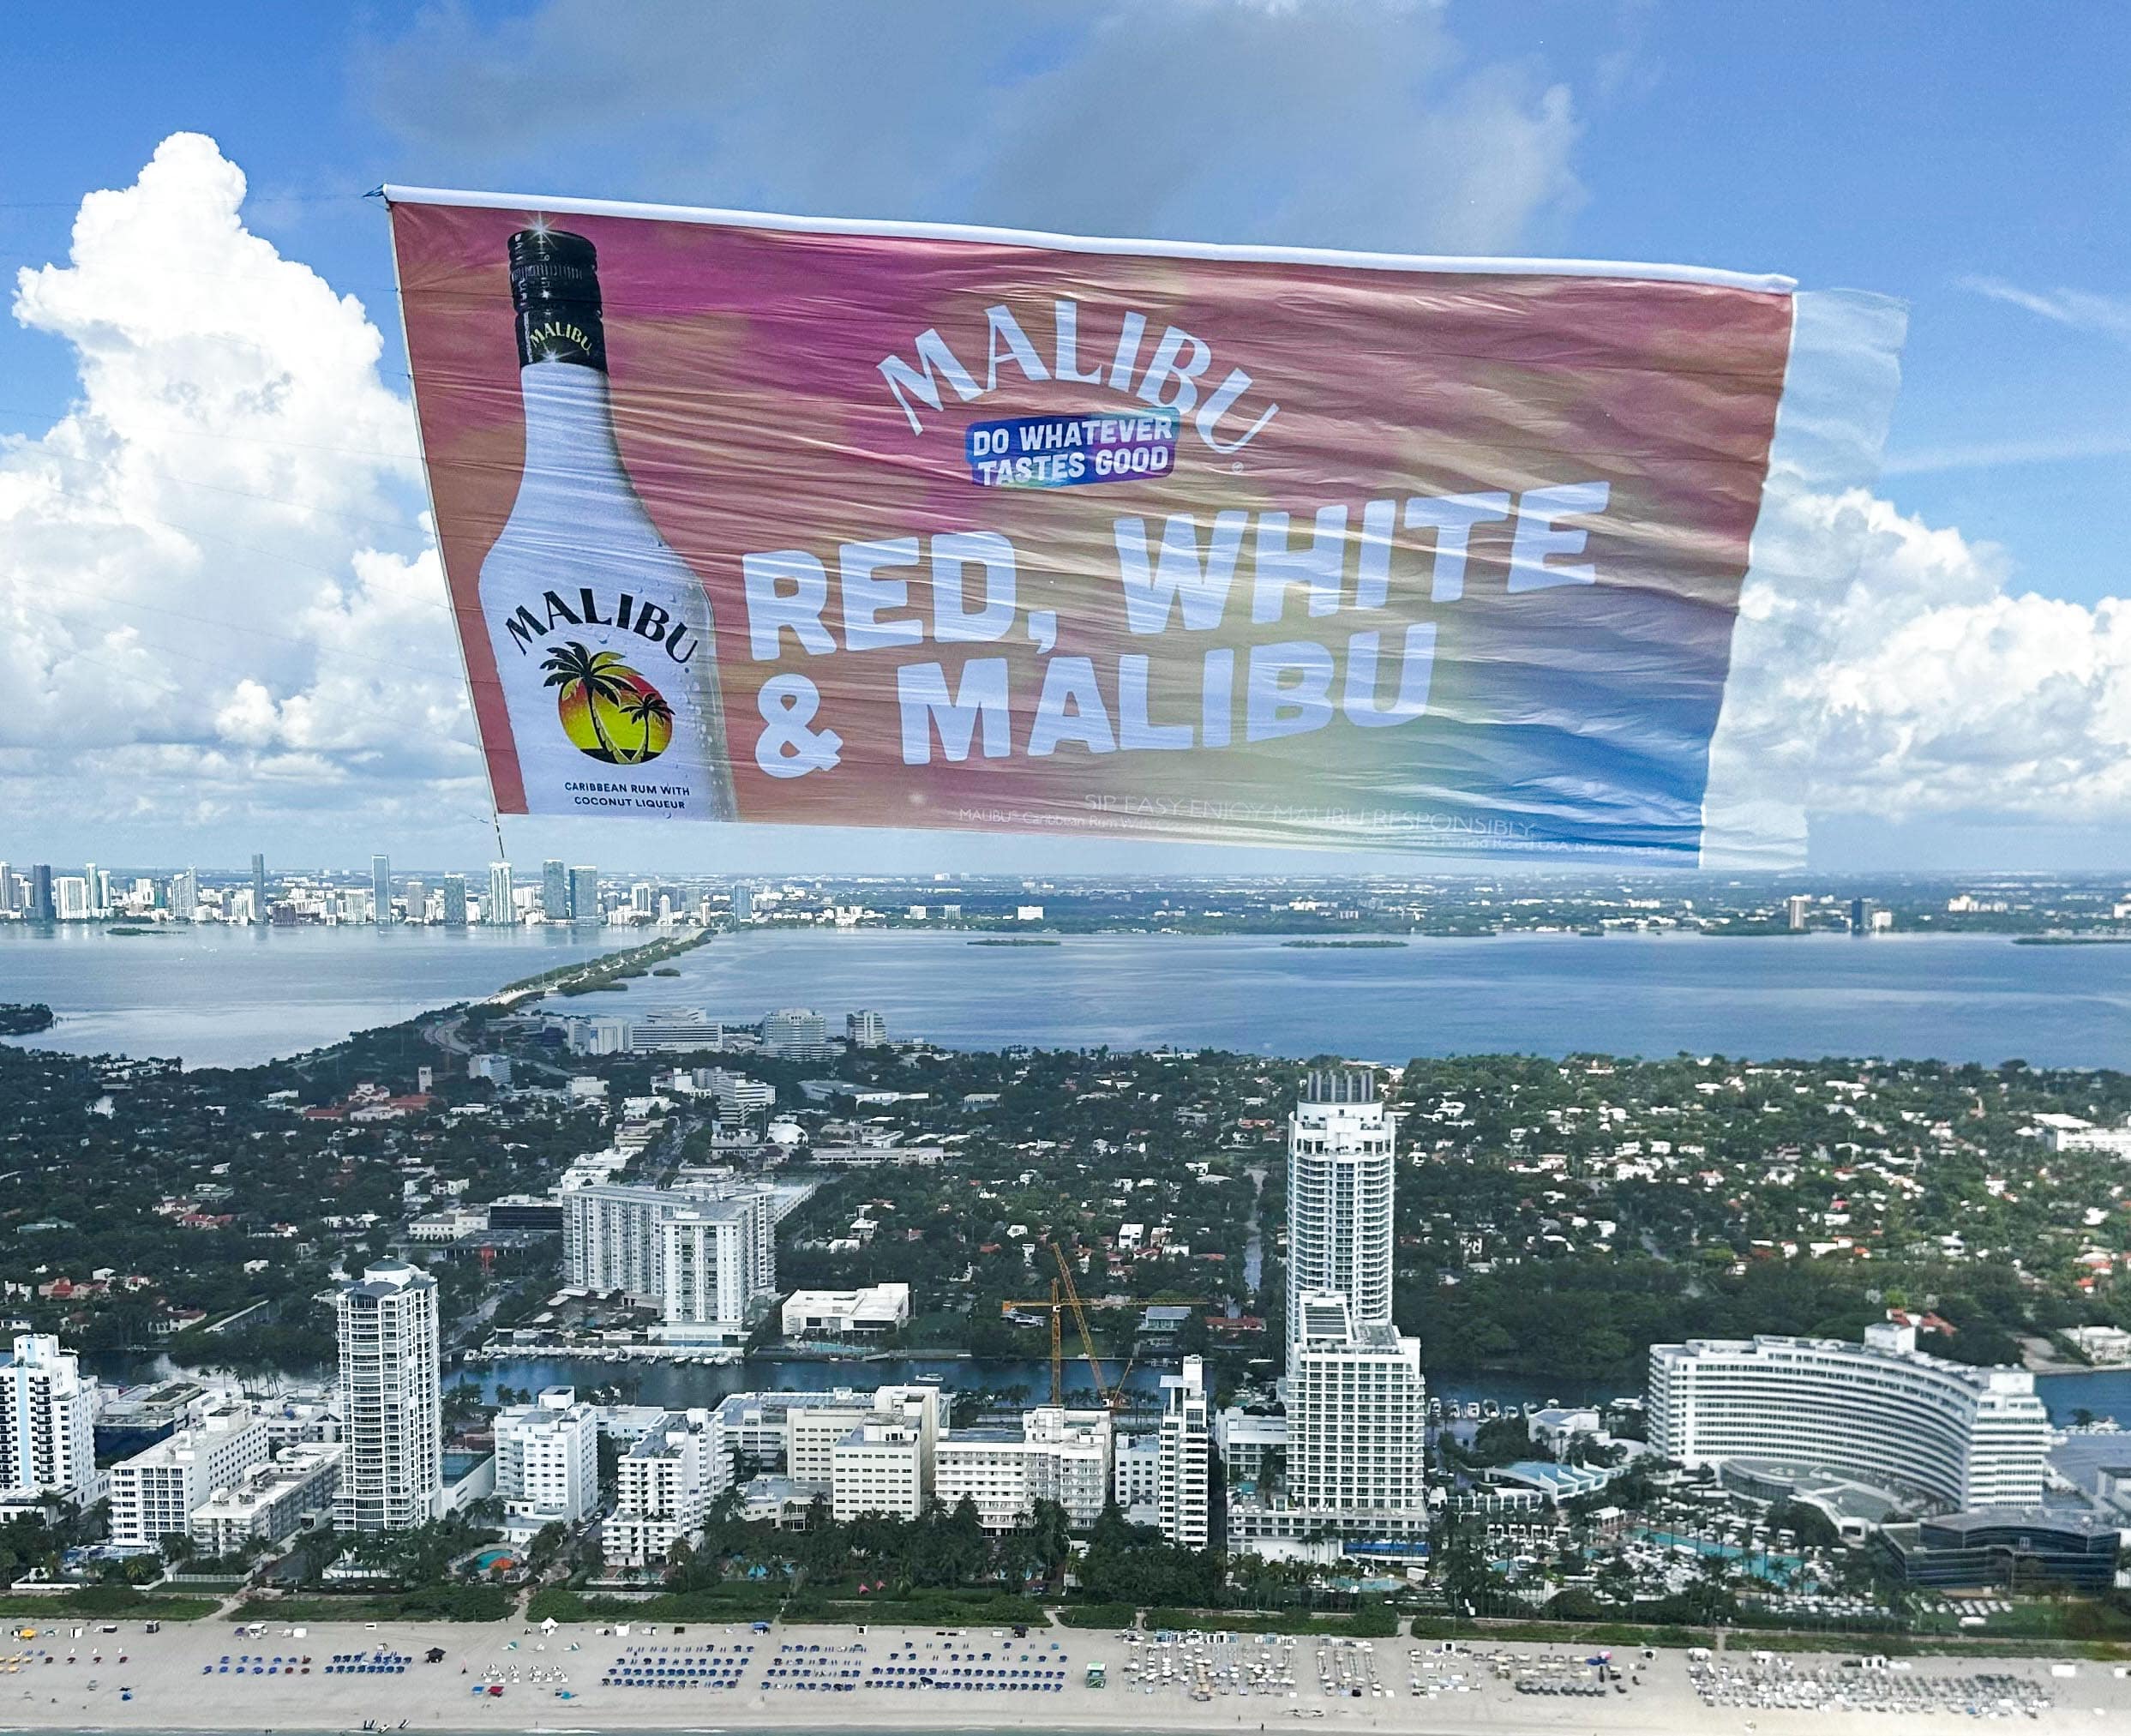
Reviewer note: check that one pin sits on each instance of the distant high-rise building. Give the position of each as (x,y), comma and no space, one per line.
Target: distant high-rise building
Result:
(1184,1500)
(454,901)
(47,1420)
(185,895)
(1796,909)
(93,887)
(555,890)
(743,905)
(381,888)
(714,1259)
(640,898)
(41,907)
(584,893)
(71,897)
(615,1238)
(1864,915)
(7,890)
(795,1033)
(1340,1167)
(258,887)
(496,911)
(415,896)
(865,1029)
(392,1477)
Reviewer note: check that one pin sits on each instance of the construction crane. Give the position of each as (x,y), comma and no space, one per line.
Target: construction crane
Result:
(1104,1397)
(1055,1309)
(1064,1298)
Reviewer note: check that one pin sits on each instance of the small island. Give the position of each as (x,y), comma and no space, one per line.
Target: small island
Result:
(1343,945)
(22,1018)
(1015,940)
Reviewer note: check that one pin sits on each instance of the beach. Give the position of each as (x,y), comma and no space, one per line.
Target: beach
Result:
(801,1677)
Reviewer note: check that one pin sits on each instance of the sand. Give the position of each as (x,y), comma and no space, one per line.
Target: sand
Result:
(170,1693)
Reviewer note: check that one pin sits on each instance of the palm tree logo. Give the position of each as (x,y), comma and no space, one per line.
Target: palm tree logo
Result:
(597,693)
(648,711)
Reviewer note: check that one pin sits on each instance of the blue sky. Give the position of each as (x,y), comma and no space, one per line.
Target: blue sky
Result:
(1972,161)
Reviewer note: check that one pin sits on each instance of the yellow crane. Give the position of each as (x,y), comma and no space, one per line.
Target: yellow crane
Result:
(1055,1309)
(1065,1298)
(1109,1400)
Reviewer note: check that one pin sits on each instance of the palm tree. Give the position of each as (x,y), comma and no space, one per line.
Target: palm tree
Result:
(644,710)
(576,667)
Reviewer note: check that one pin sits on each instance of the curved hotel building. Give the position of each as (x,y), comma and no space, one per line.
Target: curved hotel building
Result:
(1882,1412)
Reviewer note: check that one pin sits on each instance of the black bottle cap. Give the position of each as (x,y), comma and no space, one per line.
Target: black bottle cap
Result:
(552,265)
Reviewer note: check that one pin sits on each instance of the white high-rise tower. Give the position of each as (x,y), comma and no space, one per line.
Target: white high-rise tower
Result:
(391,1476)
(1339,1169)
(1186,1445)
(47,1421)
(1355,1427)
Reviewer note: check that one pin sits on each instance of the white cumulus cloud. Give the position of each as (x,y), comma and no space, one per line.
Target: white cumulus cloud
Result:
(217,595)
(1896,670)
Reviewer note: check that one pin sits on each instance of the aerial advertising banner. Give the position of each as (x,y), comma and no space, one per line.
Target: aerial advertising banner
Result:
(771,520)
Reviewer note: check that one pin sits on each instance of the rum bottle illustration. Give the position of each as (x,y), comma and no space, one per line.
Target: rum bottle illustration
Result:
(601,633)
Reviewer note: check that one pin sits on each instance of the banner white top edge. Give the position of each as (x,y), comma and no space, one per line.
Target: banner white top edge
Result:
(1765,283)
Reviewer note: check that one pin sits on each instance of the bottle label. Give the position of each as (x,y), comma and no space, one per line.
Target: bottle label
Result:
(601,659)
(562,334)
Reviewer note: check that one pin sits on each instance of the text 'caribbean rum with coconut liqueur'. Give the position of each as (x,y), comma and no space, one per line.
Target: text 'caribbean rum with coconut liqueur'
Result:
(601,633)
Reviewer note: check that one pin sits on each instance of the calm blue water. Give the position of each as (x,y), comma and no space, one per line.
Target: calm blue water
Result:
(225,996)
(219,996)
(1955,998)
(681,1385)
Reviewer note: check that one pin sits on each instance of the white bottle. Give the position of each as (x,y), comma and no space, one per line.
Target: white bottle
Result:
(601,633)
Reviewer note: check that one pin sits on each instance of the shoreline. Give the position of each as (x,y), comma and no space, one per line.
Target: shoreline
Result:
(808,1678)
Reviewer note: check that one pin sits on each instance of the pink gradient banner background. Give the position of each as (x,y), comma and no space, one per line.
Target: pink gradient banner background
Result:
(753,416)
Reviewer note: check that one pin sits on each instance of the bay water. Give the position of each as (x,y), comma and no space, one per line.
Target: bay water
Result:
(220,996)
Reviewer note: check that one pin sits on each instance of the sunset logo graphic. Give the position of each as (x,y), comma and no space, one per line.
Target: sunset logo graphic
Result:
(607,709)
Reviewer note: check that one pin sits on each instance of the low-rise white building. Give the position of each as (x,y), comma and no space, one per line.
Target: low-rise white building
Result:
(1056,1455)
(879,1467)
(811,1434)
(271,1502)
(154,1493)
(664,1486)
(1249,1442)
(871,1312)
(1138,1478)
(547,1462)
